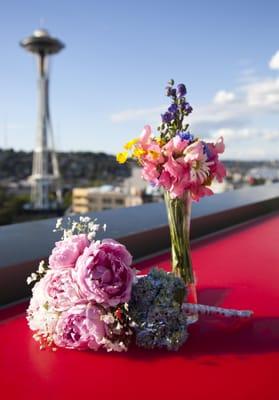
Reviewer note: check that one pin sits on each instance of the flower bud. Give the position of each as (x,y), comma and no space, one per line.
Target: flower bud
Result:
(181,90)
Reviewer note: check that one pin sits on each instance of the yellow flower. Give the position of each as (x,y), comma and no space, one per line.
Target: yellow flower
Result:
(138,153)
(122,157)
(154,154)
(131,143)
(160,141)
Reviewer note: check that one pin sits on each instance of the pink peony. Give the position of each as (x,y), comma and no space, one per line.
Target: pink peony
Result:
(175,177)
(194,152)
(80,327)
(217,169)
(66,252)
(104,274)
(165,180)
(150,172)
(219,146)
(220,171)
(60,289)
(175,146)
(215,148)
(174,168)
(198,191)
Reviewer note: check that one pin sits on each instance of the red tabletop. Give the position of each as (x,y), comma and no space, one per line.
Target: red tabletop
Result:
(222,359)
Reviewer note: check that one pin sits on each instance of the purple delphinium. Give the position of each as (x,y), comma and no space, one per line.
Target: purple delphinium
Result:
(186,107)
(167,117)
(181,90)
(173,108)
(173,117)
(168,91)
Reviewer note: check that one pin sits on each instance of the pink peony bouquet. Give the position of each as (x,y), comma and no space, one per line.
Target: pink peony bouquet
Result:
(80,297)
(175,160)
(88,298)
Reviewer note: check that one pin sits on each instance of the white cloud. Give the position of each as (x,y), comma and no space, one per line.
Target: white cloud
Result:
(274,62)
(263,94)
(271,135)
(230,134)
(217,115)
(247,133)
(223,97)
(253,100)
(247,75)
(251,153)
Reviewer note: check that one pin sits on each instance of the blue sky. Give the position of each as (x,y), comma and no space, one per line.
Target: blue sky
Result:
(109,81)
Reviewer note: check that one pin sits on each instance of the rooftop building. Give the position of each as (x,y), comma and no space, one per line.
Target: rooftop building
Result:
(103,198)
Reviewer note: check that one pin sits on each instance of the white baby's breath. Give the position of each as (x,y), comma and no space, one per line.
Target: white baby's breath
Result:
(59,223)
(41,268)
(108,318)
(84,225)
(36,276)
(74,226)
(91,236)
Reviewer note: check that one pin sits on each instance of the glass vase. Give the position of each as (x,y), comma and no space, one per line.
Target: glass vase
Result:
(179,216)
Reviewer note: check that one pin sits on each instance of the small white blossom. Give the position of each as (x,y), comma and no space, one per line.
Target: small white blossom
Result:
(74,225)
(92,226)
(108,318)
(29,280)
(41,268)
(91,236)
(59,223)
(118,327)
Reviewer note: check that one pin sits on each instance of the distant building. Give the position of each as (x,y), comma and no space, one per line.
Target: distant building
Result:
(135,184)
(265,173)
(220,187)
(103,198)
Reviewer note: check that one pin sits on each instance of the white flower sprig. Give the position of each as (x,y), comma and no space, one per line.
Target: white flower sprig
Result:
(36,276)
(84,225)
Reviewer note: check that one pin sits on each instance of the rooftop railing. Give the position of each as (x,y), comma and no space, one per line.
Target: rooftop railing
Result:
(143,229)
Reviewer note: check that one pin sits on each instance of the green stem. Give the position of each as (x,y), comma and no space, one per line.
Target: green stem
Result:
(179,214)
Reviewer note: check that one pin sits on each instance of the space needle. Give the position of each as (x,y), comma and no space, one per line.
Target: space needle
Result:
(45,178)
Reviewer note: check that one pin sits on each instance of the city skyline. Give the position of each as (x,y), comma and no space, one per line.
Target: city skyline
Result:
(110,80)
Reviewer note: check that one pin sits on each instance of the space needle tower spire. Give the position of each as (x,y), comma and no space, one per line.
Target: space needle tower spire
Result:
(45,177)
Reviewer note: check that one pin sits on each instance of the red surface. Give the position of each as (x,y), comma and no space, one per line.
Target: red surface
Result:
(229,359)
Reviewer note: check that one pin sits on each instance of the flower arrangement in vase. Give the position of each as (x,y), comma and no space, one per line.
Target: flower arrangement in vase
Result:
(182,165)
